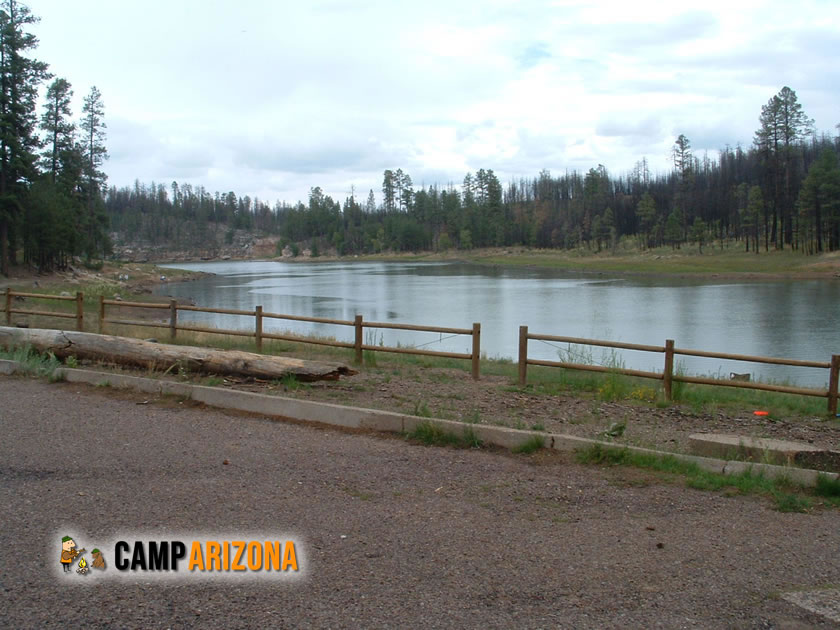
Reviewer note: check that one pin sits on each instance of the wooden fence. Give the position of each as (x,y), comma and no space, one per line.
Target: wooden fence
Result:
(257,332)
(79,315)
(668,377)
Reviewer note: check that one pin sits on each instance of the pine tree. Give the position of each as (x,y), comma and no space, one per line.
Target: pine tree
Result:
(94,154)
(783,125)
(20,77)
(57,125)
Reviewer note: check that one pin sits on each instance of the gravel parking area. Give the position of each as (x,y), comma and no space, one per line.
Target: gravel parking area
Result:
(395,534)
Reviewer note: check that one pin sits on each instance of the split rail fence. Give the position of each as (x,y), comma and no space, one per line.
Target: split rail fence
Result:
(667,376)
(358,324)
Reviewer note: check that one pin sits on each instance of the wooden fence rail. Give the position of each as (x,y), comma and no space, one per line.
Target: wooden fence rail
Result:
(259,335)
(668,377)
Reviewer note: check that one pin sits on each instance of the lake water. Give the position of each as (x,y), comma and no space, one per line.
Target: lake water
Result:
(794,319)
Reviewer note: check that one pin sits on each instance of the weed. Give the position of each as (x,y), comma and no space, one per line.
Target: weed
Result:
(678,387)
(291,383)
(431,434)
(71,361)
(786,502)
(531,445)
(471,438)
(539,426)
(827,487)
(35,364)
(645,394)
(422,409)
(369,356)
(213,381)
(616,429)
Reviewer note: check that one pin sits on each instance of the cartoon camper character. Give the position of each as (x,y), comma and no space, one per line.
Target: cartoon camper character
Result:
(98,559)
(69,552)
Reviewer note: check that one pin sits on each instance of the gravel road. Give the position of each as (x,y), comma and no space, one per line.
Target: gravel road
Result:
(394,534)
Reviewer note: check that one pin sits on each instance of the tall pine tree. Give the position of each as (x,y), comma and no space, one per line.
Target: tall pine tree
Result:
(20,77)
(94,154)
(57,125)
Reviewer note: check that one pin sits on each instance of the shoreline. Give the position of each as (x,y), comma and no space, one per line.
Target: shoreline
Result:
(637,265)
(145,276)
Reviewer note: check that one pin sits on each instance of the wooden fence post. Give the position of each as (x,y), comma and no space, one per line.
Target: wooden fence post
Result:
(357,341)
(80,311)
(476,350)
(523,355)
(8,306)
(259,326)
(101,314)
(668,374)
(833,378)
(173,319)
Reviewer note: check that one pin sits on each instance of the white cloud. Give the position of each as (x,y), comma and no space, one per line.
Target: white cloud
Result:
(272,98)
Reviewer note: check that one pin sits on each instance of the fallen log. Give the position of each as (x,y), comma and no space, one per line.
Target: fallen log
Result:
(124,350)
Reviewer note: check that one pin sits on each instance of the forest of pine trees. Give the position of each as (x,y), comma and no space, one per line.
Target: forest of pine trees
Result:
(51,182)
(782,192)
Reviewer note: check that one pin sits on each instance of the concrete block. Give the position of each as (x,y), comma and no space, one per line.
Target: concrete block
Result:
(125,381)
(764,450)
(802,476)
(8,367)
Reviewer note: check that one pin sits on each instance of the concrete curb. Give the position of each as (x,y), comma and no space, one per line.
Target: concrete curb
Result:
(373,419)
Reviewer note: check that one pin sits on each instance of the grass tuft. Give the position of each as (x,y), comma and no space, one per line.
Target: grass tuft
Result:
(531,445)
(827,487)
(432,434)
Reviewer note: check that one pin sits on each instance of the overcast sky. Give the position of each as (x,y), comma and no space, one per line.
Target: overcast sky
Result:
(270,98)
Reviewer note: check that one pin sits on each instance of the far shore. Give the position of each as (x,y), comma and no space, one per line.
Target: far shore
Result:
(712,263)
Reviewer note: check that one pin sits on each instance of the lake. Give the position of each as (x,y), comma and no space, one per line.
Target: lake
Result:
(795,319)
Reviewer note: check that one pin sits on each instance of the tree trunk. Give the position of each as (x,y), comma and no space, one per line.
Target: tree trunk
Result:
(148,354)
(4,247)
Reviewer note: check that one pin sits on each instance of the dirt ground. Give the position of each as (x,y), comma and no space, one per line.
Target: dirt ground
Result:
(391,534)
(125,279)
(451,394)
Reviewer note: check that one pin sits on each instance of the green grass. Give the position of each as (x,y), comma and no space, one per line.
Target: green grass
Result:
(786,495)
(34,363)
(531,445)
(431,434)
(827,487)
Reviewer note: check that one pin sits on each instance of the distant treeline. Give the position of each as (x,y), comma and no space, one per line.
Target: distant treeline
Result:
(784,191)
